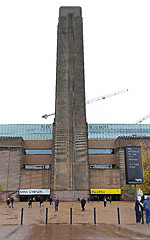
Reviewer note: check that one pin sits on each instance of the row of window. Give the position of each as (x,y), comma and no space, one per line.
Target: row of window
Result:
(49,151)
(38,151)
(47,166)
(101,151)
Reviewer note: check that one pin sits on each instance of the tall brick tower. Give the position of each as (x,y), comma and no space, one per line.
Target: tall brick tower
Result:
(70,178)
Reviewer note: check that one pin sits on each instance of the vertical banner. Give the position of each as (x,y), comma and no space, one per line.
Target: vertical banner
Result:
(133,164)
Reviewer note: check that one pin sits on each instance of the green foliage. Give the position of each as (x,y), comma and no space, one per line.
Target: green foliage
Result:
(1,188)
(129,188)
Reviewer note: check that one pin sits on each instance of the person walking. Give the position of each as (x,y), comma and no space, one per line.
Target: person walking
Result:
(41,202)
(12,202)
(138,211)
(83,202)
(7,203)
(105,201)
(56,204)
(146,206)
(30,203)
(51,201)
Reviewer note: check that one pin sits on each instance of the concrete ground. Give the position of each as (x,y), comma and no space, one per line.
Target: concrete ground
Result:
(82,227)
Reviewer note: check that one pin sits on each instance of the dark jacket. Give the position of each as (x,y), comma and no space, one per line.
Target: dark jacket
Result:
(137,206)
(146,204)
(56,202)
(83,201)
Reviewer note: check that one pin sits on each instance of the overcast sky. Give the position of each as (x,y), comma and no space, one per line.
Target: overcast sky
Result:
(116,54)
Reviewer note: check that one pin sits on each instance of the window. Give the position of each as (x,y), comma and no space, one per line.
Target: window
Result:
(102,166)
(38,151)
(101,151)
(36,167)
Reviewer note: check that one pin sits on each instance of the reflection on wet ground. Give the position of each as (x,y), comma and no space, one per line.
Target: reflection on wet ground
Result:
(84,231)
(71,232)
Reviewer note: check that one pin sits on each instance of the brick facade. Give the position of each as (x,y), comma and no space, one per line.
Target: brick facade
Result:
(13,177)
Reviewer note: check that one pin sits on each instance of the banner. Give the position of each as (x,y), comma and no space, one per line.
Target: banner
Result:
(106,191)
(34,192)
(133,164)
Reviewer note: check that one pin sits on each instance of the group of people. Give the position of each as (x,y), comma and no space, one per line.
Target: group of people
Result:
(42,204)
(140,206)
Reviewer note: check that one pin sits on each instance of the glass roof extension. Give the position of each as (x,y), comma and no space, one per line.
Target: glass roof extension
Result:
(95,131)
(112,131)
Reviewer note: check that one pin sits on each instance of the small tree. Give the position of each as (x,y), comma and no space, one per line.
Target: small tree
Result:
(1,188)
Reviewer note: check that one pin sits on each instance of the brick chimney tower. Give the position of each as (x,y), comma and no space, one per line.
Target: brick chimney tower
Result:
(70,166)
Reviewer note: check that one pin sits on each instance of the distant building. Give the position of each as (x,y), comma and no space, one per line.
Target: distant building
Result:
(70,158)
(26,158)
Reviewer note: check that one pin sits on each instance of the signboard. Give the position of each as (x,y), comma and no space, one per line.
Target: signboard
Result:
(36,167)
(34,192)
(106,191)
(133,164)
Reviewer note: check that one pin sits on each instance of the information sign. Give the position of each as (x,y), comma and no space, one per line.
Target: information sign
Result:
(133,163)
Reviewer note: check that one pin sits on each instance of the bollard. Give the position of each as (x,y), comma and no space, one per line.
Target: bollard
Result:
(118,216)
(70,215)
(22,216)
(94,215)
(46,215)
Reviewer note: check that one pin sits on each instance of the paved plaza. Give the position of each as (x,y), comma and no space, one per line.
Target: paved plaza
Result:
(82,227)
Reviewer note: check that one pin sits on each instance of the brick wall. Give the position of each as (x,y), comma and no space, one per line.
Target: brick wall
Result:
(37,159)
(35,144)
(101,144)
(108,178)
(35,179)
(10,163)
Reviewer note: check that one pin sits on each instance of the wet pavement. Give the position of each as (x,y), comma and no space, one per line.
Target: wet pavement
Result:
(72,232)
(34,222)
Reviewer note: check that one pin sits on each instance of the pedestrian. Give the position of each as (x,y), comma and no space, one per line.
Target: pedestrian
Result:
(12,202)
(146,206)
(56,204)
(88,199)
(110,198)
(138,211)
(51,201)
(30,203)
(141,200)
(7,203)
(83,202)
(105,201)
(41,202)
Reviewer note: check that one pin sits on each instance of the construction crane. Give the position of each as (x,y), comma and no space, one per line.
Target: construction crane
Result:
(95,99)
(47,115)
(143,118)
(106,96)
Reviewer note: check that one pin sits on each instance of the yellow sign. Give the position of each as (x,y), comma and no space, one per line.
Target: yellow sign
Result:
(106,191)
